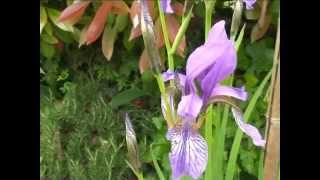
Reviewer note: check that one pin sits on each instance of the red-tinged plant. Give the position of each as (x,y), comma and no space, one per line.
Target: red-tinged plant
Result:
(97,24)
(74,12)
(173,26)
(90,33)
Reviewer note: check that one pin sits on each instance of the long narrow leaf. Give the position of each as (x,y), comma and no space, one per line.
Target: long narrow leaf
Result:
(209,138)
(156,165)
(231,166)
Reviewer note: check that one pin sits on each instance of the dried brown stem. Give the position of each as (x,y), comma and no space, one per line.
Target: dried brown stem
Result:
(272,155)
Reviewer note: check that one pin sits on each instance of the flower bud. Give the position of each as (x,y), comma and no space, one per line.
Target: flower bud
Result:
(149,38)
(236,19)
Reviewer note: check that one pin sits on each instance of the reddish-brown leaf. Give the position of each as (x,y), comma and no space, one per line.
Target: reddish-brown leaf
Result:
(173,28)
(177,8)
(144,62)
(135,32)
(158,33)
(73,12)
(119,7)
(96,27)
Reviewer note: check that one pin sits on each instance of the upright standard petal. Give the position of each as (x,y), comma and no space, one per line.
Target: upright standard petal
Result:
(189,152)
(223,67)
(217,33)
(248,129)
(211,62)
(166,6)
(189,107)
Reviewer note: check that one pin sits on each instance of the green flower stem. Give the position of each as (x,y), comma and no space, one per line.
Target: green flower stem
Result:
(209,120)
(209,138)
(209,10)
(166,38)
(181,32)
(165,97)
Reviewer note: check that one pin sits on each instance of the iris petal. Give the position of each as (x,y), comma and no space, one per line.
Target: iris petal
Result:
(189,152)
(190,106)
(248,129)
(238,93)
(166,6)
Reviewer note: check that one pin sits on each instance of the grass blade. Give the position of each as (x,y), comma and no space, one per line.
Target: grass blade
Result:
(237,140)
(209,138)
(156,165)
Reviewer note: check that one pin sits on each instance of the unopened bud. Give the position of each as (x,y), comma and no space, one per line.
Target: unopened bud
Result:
(149,38)
(132,145)
(236,19)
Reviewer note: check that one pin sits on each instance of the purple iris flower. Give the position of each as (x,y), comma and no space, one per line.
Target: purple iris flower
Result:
(166,6)
(249,3)
(208,65)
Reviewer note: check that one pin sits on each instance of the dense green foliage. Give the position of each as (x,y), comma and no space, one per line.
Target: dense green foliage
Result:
(84,96)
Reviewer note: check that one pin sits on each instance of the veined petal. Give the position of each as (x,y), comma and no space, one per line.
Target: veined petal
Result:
(238,93)
(248,129)
(190,105)
(166,6)
(189,152)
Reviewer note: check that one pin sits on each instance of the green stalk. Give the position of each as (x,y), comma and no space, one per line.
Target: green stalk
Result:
(208,21)
(260,171)
(166,101)
(209,120)
(231,166)
(181,32)
(220,139)
(166,38)
(209,138)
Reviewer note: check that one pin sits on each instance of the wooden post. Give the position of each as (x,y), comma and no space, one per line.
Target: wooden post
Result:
(272,155)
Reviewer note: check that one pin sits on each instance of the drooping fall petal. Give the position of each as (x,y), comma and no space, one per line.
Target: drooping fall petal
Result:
(96,27)
(173,27)
(248,129)
(238,93)
(189,152)
(73,12)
